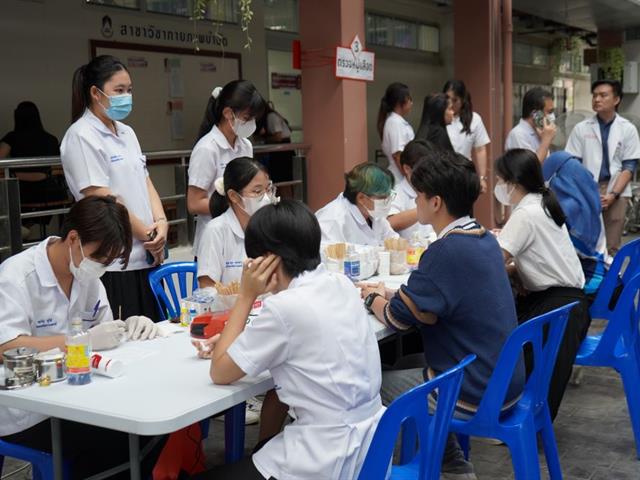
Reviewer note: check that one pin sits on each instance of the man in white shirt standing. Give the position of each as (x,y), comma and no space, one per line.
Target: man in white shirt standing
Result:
(609,147)
(536,129)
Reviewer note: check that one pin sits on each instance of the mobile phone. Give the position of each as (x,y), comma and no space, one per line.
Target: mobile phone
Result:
(538,119)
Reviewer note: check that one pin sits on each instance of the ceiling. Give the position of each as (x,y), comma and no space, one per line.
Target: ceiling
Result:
(589,15)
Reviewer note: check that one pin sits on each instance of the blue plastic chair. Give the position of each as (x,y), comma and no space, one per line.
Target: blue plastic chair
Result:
(618,347)
(628,256)
(411,412)
(166,273)
(41,462)
(518,427)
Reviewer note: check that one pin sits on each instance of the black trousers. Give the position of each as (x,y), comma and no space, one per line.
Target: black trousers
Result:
(131,292)
(242,470)
(537,303)
(88,449)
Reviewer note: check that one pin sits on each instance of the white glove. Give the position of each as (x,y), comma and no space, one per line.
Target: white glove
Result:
(107,335)
(140,328)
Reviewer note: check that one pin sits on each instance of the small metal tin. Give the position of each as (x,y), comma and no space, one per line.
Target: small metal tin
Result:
(19,367)
(51,366)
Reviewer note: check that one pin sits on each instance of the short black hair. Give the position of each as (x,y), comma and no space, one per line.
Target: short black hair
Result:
(534,100)
(415,150)
(450,176)
(104,221)
(287,229)
(615,85)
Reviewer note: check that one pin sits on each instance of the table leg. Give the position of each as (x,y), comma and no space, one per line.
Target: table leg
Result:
(134,456)
(234,433)
(56,448)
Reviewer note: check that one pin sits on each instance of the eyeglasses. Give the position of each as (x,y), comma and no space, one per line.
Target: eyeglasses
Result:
(258,192)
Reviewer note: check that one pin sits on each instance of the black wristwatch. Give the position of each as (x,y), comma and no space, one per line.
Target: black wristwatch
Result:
(368,301)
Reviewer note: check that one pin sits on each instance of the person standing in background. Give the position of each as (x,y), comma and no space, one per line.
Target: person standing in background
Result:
(274,129)
(229,121)
(609,147)
(102,156)
(393,128)
(436,115)
(466,131)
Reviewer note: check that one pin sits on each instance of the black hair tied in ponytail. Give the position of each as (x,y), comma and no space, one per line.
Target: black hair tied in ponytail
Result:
(237,175)
(522,167)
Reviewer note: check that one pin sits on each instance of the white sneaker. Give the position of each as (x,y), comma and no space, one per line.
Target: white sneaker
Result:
(252,413)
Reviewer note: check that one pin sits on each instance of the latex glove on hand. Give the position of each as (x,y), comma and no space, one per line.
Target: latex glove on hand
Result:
(107,335)
(140,328)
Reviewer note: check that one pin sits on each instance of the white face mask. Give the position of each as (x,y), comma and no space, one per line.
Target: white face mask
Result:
(551,117)
(253,204)
(381,207)
(243,129)
(88,270)
(502,193)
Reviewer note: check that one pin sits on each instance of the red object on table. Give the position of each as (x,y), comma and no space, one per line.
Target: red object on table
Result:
(208,324)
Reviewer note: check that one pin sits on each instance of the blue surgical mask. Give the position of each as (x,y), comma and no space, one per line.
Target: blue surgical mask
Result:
(119,105)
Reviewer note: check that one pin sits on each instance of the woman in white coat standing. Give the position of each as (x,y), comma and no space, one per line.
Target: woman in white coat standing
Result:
(102,156)
(393,128)
(228,123)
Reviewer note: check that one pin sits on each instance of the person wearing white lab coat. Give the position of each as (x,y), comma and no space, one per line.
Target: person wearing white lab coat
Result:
(403,214)
(393,128)
(41,290)
(359,214)
(102,156)
(315,338)
(244,188)
(608,146)
(466,131)
(224,134)
(536,129)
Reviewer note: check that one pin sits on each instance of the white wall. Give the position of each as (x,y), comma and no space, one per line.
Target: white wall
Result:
(44,41)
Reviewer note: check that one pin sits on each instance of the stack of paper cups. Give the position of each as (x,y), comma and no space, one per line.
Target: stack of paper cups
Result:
(384,263)
(106,366)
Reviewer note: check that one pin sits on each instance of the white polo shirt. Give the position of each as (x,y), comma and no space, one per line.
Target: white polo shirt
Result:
(93,156)
(221,249)
(395,135)
(341,221)
(406,200)
(524,136)
(542,251)
(34,304)
(317,341)
(464,142)
(208,160)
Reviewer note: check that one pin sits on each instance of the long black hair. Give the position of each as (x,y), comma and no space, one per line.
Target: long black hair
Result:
(237,174)
(238,95)
(95,73)
(396,94)
(26,118)
(466,110)
(433,127)
(522,167)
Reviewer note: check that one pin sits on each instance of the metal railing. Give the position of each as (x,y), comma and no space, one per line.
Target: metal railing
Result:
(11,212)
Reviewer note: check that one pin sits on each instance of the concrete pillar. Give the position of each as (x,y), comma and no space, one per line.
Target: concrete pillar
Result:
(334,111)
(480,32)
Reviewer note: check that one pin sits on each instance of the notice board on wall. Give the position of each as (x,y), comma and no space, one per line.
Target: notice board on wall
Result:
(171,88)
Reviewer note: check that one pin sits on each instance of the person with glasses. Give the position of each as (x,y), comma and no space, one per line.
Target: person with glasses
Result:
(359,214)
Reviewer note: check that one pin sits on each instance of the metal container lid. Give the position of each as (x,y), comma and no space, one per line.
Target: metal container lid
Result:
(19,353)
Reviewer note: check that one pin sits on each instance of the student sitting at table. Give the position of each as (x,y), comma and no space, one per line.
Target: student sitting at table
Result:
(316,340)
(239,193)
(41,290)
(359,214)
(403,215)
(459,298)
(541,258)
